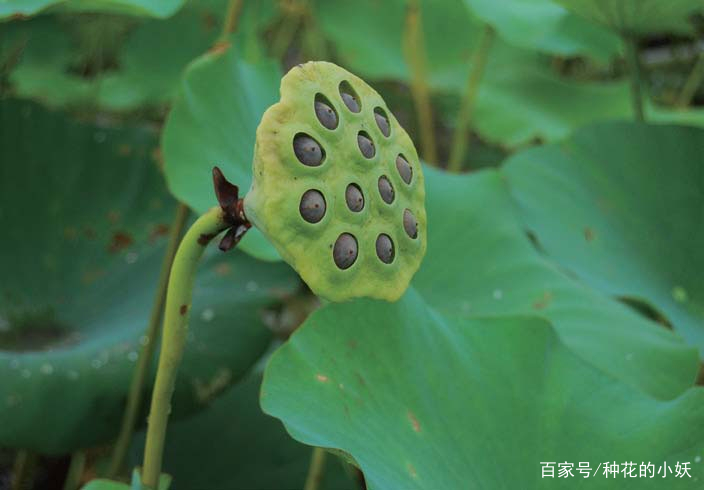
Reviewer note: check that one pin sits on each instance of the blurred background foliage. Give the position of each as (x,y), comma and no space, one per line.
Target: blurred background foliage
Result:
(579,232)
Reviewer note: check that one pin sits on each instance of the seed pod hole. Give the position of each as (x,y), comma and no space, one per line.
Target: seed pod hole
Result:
(345,251)
(349,97)
(386,190)
(325,112)
(312,207)
(410,224)
(404,169)
(307,150)
(354,198)
(385,248)
(366,145)
(382,121)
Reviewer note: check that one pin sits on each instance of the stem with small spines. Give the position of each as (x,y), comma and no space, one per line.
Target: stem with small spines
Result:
(178,302)
(460,139)
(144,361)
(414,51)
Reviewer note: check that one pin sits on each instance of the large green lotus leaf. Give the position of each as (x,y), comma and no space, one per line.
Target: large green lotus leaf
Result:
(637,16)
(232,445)
(85,214)
(622,207)
(149,62)
(480,263)
(155,8)
(42,70)
(213,122)
(520,99)
(421,401)
(545,26)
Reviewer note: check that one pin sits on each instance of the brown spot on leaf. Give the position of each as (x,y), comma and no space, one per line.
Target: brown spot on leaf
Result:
(90,276)
(158,157)
(120,240)
(414,421)
(588,234)
(352,344)
(220,47)
(89,233)
(183,309)
(223,269)
(411,470)
(205,238)
(322,378)
(543,302)
(124,150)
(209,21)
(114,216)
(158,231)
(70,233)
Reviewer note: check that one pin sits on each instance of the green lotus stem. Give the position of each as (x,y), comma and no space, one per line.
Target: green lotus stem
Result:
(75,471)
(414,49)
(460,139)
(232,15)
(316,469)
(634,73)
(178,305)
(694,80)
(313,39)
(23,470)
(286,32)
(134,398)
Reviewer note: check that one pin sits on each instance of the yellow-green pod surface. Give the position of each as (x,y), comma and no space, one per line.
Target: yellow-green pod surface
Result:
(338,188)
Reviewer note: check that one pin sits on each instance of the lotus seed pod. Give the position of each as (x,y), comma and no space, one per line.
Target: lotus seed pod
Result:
(328,189)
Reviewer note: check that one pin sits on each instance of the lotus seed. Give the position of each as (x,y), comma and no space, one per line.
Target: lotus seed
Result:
(349,97)
(345,251)
(312,206)
(354,198)
(366,145)
(326,114)
(382,122)
(404,169)
(386,190)
(410,224)
(385,248)
(307,150)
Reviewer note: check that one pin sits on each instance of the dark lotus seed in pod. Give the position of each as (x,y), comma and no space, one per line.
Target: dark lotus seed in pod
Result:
(382,122)
(354,198)
(404,169)
(386,190)
(366,145)
(312,206)
(385,248)
(307,150)
(410,224)
(349,97)
(326,114)
(345,251)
